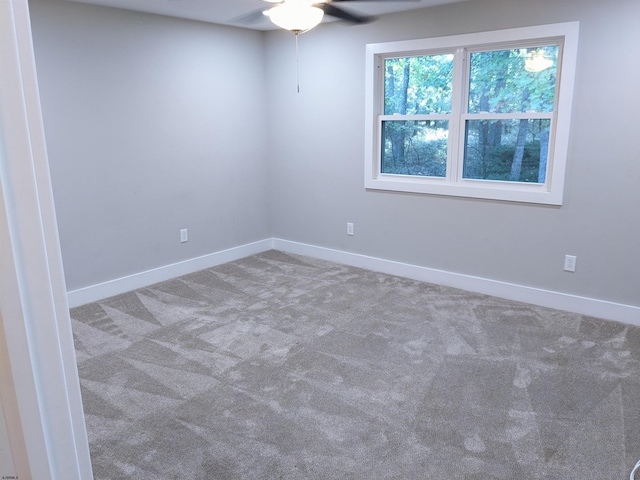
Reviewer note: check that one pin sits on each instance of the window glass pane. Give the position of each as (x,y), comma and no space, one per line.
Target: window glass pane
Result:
(415,147)
(515,80)
(418,85)
(509,150)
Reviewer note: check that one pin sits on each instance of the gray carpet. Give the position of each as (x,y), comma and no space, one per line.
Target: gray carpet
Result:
(278,366)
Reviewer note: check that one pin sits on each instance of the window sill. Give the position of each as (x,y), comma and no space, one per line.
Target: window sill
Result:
(480,189)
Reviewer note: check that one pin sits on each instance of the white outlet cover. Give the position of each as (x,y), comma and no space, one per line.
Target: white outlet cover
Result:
(569,263)
(349,228)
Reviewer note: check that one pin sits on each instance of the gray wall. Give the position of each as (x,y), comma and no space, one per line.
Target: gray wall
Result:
(317,157)
(153,124)
(157,124)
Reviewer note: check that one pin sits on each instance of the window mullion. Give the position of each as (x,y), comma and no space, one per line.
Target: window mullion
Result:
(418,117)
(456,127)
(507,116)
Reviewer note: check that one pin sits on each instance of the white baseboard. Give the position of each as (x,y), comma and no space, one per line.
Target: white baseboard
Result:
(587,306)
(546,298)
(160,274)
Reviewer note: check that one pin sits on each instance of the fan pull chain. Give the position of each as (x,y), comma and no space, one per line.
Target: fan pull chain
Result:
(297,65)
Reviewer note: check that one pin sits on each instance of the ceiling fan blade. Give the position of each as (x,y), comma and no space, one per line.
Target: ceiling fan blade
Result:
(336,12)
(388,1)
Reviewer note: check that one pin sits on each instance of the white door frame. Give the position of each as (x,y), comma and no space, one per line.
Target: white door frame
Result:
(39,377)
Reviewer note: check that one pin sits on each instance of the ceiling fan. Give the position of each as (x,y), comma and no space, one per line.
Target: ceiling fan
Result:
(300,16)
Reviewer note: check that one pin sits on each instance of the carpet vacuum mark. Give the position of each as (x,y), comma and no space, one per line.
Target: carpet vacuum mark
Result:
(279,366)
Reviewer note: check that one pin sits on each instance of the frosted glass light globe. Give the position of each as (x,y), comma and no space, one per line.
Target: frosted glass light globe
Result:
(297,16)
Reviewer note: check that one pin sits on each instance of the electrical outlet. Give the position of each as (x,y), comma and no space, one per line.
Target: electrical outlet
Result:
(349,228)
(184,235)
(569,263)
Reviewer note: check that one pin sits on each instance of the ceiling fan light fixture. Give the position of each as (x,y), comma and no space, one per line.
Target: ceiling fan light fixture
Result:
(296,16)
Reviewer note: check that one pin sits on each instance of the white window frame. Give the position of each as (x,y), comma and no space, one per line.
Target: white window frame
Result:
(551,192)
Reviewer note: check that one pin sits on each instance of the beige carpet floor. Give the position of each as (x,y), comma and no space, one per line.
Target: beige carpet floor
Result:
(278,366)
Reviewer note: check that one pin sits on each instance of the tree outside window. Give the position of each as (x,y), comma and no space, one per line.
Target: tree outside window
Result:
(472,117)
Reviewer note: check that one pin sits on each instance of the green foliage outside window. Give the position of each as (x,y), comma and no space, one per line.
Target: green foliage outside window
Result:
(500,83)
(418,85)
(504,137)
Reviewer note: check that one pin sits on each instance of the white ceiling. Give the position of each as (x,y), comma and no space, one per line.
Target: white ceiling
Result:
(227,12)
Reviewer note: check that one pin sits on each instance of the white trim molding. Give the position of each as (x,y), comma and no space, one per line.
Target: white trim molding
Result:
(41,398)
(117,286)
(546,298)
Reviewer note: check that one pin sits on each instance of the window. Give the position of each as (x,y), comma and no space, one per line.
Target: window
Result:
(483,115)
